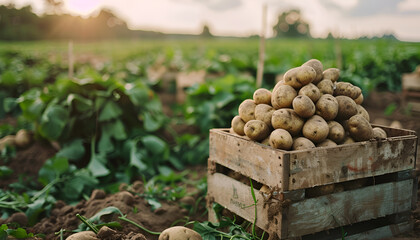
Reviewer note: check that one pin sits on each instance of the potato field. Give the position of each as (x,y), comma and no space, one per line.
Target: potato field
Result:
(110,139)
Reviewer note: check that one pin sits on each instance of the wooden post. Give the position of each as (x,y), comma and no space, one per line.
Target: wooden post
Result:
(71,60)
(260,69)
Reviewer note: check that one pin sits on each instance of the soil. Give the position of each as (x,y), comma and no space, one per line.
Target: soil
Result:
(27,163)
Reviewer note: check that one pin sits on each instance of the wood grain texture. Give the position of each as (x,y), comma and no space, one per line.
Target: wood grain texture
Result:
(344,208)
(385,232)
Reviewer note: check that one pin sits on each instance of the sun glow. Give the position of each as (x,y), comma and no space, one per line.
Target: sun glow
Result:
(82,7)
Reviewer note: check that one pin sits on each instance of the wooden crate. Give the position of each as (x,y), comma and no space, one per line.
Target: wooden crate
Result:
(385,167)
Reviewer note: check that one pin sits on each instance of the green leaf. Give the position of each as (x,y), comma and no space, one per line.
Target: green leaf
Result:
(52,169)
(137,156)
(138,93)
(73,150)
(150,122)
(105,211)
(9,104)
(19,233)
(97,165)
(5,171)
(81,104)
(110,111)
(154,144)
(116,129)
(154,203)
(53,121)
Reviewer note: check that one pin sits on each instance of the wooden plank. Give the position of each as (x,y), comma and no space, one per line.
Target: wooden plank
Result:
(351,161)
(385,232)
(263,163)
(237,197)
(344,208)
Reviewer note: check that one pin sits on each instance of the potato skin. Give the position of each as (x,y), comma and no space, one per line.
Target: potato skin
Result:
(264,113)
(315,129)
(317,66)
(347,89)
(179,233)
(326,86)
(331,73)
(281,139)
(303,106)
(302,143)
(247,110)
(238,125)
(299,76)
(327,107)
(23,138)
(287,119)
(283,97)
(336,132)
(379,133)
(346,107)
(256,130)
(311,91)
(362,111)
(360,129)
(261,96)
(359,99)
(327,143)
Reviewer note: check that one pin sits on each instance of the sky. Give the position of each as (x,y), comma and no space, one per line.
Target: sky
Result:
(344,18)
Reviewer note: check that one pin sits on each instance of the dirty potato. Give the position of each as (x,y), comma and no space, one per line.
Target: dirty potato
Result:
(299,76)
(362,111)
(264,113)
(303,106)
(311,91)
(346,107)
(348,140)
(326,86)
(347,89)
(256,130)
(302,143)
(327,143)
(359,99)
(317,66)
(359,128)
(287,119)
(315,129)
(336,132)
(262,96)
(331,73)
(283,97)
(379,133)
(179,233)
(281,139)
(247,110)
(238,125)
(327,107)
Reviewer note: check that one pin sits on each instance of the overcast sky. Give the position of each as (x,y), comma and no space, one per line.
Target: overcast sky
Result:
(346,18)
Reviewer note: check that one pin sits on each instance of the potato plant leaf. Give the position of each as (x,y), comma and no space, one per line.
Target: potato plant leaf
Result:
(110,111)
(97,165)
(53,121)
(73,150)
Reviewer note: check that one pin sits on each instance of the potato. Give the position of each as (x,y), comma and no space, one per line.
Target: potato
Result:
(362,111)
(317,66)
(303,106)
(379,133)
(347,89)
(262,95)
(23,138)
(315,129)
(348,140)
(396,124)
(327,107)
(302,143)
(311,91)
(179,233)
(281,139)
(84,235)
(359,128)
(326,86)
(346,107)
(278,84)
(283,97)
(7,141)
(256,130)
(359,99)
(336,132)
(327,143)
(331,73)
(299,76)
(287,119)
(247,110)
(264,112)
(238,125)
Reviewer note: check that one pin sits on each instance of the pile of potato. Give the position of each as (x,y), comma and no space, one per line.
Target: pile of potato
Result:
(308,108)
